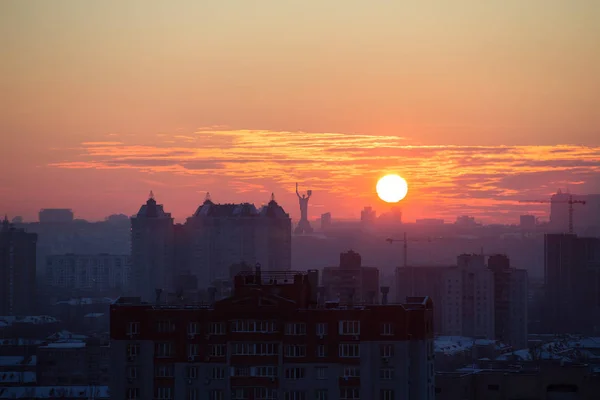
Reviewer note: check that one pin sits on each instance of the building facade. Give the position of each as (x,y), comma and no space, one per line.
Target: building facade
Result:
(273,339)
(55,215)
(350,282)
(152,251)
(88,272)
(221,235)
(17,270)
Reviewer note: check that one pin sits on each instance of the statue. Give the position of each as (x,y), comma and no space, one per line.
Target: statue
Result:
(303,225)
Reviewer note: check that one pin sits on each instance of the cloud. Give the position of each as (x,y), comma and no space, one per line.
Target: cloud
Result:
(490,179)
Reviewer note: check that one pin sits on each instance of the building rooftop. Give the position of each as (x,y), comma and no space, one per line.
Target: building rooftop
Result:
(6,361)
(32,319)
(71,344)
(210,209)
(55,392)
(17,377)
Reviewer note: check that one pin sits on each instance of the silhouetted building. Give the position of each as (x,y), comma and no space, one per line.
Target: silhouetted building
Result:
(272,340)
(325,221)
(572,283)
(55,215)
(430,221)
(527,222)
(465,221)
(350,282)
(152,251)
(368,216)
(89,272)
(17,270)
(221,235)
(510,302)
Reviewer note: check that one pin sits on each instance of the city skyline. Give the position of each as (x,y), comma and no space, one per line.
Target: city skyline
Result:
(476,106)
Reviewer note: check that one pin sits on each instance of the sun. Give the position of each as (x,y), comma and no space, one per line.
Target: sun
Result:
(392,188)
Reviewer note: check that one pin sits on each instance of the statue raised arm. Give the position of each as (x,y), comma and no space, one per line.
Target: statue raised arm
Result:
(297,194)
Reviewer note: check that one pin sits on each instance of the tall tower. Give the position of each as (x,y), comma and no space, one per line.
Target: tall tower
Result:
(152,251)
(17,270)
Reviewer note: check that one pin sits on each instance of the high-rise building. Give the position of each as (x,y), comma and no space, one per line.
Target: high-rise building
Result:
(510,302)
(572,284)
(55,215)
(527,222)
(152,251)
(584,216)
(17,270)
(325,221)
(350,282)
(221,235)
(273,339)
(89,272)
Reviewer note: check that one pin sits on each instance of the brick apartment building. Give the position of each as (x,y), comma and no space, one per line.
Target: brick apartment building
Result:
(272,339)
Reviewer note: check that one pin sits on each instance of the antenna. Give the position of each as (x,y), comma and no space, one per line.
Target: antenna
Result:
(151,195)
(272,196)
(207,197)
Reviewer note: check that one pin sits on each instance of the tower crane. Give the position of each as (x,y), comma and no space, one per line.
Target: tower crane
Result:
(570,202)
(405,241)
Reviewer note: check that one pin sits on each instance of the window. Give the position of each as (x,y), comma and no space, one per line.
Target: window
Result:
(193,328)
(133,350)
(321,329)
(216,350)
(269,371)
(295,328)
(295,350)
(349,393)
(386,374)
(251,349)
(294,373)
(164,349)
(192,394)
(387,329)
(349,350)
(133,328)
(163,393)
(217,395)
(217,373)
(192,372)
(294,395)
(386,394)
(321,372)
(165,326)
(132,372)
(192,350)
(386,350)
(253,326)
(351,372)
(133,394)
(321,351)
(349,327)
(164,371)
(240,393)
(216,328)
(321,394)
(262,393)
(240,371)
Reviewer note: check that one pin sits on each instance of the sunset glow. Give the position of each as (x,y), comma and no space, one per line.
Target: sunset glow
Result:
(392,188)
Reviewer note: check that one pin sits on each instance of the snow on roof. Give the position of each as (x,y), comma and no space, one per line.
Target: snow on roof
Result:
(457,344)
(67,344)
(32,319)
(62,335)
(6,361)
(93,315)
(86,301)
(17,377)
(52,392)
(19,342)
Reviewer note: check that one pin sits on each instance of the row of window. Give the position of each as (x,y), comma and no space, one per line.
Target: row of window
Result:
(258,326)
(345,350)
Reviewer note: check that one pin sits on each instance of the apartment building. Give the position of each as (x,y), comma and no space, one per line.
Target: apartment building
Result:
(272,339)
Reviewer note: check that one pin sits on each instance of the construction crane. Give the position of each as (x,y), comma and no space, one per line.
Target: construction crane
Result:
(570,202)
(405,245)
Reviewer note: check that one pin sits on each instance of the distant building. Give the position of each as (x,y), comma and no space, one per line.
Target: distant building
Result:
(350,282)
(572,283)
(89,272)
(221,235)
(430,221)
(17,270)
(465,221)
(325,221)
(55,215)
(152,251)
(273,339)
(527,222)
(368,216)
(510,302)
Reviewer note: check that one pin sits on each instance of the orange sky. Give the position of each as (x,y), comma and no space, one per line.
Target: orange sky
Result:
(470,101)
